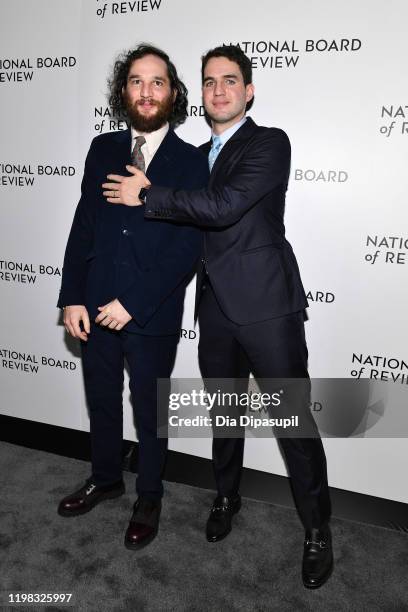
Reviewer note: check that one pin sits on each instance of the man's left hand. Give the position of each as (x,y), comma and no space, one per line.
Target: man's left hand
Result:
(125,189)
(113,315)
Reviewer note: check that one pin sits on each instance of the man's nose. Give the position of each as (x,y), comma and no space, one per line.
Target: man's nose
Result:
(146,90)
(219,88)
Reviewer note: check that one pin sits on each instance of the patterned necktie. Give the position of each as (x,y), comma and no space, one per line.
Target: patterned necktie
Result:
(215,149)
(138,159)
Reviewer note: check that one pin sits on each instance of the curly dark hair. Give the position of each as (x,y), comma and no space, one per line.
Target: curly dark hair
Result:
(118,81)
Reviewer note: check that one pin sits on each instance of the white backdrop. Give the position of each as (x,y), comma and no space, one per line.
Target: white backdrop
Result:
(332,75)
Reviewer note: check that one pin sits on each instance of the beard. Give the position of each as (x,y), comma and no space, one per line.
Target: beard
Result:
(145,123)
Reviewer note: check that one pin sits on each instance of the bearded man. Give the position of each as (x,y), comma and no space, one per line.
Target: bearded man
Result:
(124,282)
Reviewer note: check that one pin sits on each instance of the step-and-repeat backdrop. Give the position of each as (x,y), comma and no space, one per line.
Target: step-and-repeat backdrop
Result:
(332,75)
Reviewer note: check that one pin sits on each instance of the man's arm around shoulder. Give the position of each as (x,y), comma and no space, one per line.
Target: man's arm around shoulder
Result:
(264,165)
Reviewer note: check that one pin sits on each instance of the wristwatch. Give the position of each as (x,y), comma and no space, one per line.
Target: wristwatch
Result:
(142,195)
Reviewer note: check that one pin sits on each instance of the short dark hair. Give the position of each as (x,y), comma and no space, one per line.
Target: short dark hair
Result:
(234,54)
(118,81)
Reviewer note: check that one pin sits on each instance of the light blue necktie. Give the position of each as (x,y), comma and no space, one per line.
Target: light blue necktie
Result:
(215,149)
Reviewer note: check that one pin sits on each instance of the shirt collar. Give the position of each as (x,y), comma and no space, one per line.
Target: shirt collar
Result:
(226,135)
(153,139)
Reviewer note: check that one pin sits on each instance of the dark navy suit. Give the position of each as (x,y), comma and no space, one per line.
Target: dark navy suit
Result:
(114,252)
(251,311)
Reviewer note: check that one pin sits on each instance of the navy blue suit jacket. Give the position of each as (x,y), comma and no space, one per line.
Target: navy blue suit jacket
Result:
(114,252)
(251,265)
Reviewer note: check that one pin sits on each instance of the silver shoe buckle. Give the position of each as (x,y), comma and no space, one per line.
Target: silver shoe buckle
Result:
(321,543)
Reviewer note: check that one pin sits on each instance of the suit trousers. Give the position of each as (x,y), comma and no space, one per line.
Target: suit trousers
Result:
(148,358)
(275,348)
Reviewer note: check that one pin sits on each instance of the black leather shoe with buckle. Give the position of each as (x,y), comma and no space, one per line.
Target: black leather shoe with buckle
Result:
(317,557)
(144,524)
(88,496)
(219,521)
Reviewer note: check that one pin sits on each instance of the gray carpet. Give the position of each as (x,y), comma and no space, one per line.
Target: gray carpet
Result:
(256,568)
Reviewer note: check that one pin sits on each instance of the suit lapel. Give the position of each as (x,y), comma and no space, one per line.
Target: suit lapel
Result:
(121,153)
(164,160)
(161,164)
(205,148)
(233,144)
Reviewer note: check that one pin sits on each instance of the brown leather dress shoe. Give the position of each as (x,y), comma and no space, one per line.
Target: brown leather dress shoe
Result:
(88,496)
(144,524)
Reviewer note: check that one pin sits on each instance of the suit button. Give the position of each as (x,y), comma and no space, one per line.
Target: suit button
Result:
(125,232)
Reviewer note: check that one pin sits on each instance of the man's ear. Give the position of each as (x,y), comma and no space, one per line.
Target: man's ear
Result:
(174,94)
(250,91)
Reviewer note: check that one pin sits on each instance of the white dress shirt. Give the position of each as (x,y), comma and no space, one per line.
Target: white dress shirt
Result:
(153,142)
